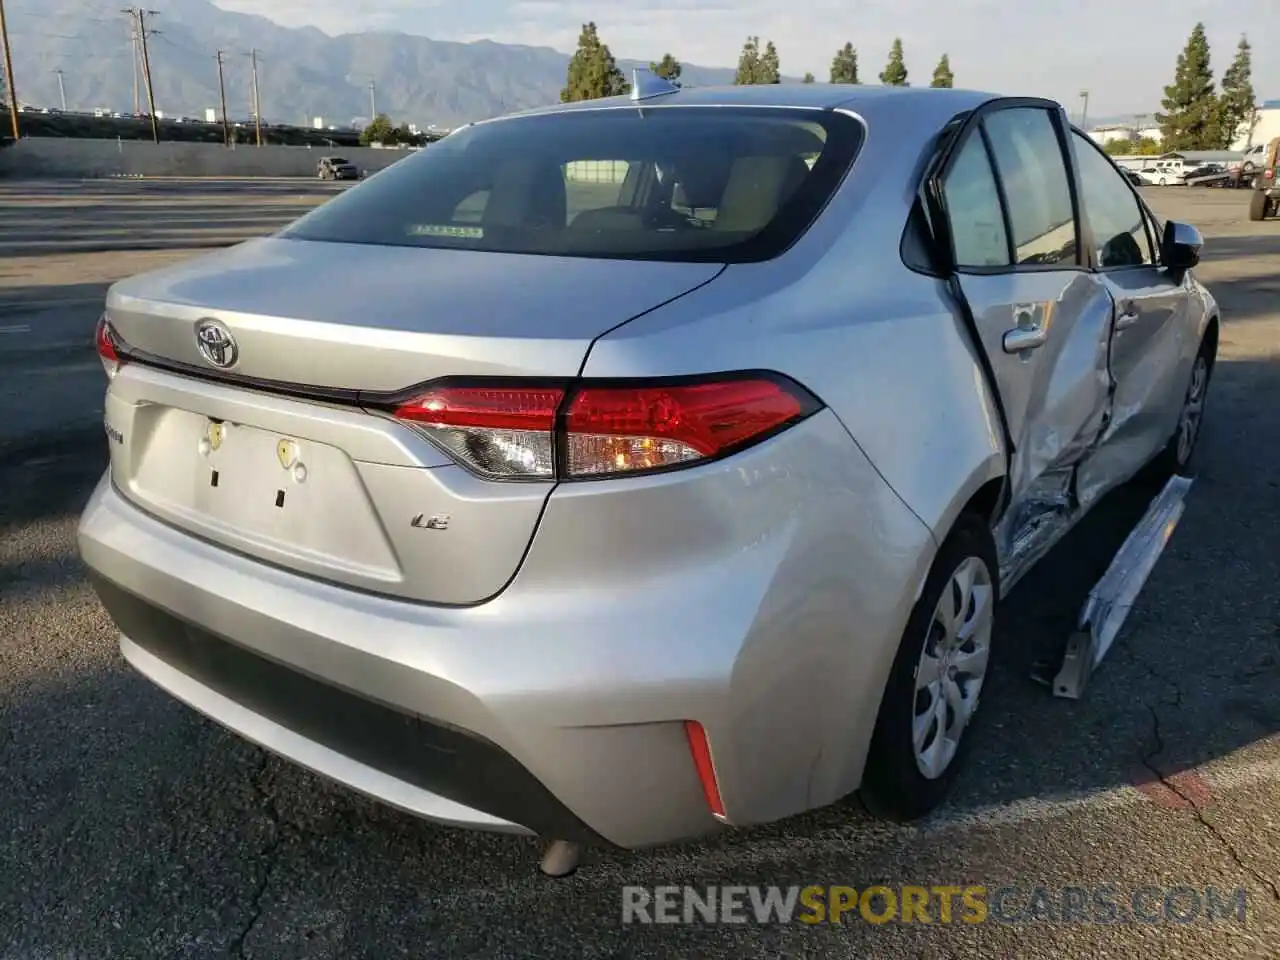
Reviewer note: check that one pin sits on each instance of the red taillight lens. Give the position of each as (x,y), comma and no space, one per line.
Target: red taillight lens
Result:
(109,346)
(500,432)
(105,340)
(513,432)
(614,430)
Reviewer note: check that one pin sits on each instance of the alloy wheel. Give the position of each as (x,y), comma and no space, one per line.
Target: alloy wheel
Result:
(952,666)
(1192,410)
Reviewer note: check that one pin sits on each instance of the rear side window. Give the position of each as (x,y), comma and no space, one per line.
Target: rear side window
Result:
(1034,175)
(665,183)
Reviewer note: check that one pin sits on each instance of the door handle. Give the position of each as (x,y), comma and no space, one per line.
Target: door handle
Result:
(1127,316)
(1022,339)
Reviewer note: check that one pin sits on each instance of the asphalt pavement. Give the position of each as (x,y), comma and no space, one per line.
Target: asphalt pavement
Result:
(131,827)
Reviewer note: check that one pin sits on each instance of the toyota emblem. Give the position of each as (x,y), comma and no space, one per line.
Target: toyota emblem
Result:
(216,344)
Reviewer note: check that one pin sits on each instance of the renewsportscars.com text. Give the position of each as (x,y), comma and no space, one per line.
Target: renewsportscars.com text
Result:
(939,904)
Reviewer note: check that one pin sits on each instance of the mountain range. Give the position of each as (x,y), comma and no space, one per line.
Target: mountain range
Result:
(302,72)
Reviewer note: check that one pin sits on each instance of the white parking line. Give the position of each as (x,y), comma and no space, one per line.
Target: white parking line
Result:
(16,328)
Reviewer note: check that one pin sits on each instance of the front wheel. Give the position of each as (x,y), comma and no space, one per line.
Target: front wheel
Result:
(919,741)
(1175,458)
(1163,181)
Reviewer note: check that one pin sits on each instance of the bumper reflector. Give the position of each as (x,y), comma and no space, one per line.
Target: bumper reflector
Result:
(701,751)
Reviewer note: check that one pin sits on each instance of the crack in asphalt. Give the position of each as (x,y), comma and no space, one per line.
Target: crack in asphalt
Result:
(1148,761)
(279,825)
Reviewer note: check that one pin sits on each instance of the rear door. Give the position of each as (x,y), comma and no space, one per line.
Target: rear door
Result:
(1041,317)
(1149,329)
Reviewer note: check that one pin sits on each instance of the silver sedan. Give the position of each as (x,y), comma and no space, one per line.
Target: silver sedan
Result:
(629,469)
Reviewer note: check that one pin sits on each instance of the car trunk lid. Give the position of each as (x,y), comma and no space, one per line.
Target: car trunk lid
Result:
(274,457)
(375,318)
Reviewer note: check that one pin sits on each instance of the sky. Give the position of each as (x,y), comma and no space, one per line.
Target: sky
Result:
(1122,53)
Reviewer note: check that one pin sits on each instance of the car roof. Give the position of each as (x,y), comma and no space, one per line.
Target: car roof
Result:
(864,100)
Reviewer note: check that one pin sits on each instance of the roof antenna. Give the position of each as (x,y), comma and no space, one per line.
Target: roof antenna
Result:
(645,85)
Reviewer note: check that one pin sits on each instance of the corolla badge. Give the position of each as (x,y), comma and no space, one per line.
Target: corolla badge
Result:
(216,343)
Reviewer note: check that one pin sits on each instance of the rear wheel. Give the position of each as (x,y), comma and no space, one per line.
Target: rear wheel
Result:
(1258,205)
(942,663)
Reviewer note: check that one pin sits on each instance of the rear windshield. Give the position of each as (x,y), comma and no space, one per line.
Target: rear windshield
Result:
(666,183)
(337,160)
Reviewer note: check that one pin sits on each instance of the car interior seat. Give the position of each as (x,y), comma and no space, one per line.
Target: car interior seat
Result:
(527,194)
(757,189)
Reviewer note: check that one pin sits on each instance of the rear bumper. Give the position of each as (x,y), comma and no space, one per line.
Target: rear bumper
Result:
(559,707)
(427,768)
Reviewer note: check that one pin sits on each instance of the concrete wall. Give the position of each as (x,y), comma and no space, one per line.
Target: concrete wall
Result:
(50,157)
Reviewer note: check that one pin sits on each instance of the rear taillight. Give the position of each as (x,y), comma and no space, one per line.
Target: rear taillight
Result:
(500,432)
(604,430)
(109,346)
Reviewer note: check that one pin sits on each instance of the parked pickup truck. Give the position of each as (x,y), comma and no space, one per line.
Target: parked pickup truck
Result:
(1265,201)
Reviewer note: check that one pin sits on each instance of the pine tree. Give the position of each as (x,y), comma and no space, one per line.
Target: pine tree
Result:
(593,73)
(1191,118)
(895,72)
(749,62)
(770,68)
(844,66)
(808,78)
(942,75)
(1238,107)
(756,67)
(668,67)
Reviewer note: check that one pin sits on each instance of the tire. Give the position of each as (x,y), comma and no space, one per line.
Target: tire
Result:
(1258,204)
(1247,166)
(895,785)
(1175,458)
(1163,182)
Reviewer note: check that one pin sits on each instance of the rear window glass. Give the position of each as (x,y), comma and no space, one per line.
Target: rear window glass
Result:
(665,183)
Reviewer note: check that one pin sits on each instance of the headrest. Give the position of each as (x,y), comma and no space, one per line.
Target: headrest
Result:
(757,189)
(529,194)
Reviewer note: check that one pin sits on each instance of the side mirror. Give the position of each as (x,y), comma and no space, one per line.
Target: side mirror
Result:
(1180,248)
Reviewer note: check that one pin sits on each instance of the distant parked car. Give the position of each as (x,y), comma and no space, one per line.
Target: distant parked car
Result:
(337,168)
(1159,176)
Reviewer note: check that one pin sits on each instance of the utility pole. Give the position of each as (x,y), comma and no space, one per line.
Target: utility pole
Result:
(8,74)
(137,61)
(373,101)
(1084,110)
(222,92)
(257,106)
(62,91)
(140,18)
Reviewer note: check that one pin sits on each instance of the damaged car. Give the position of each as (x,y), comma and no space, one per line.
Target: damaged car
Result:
(672,478)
